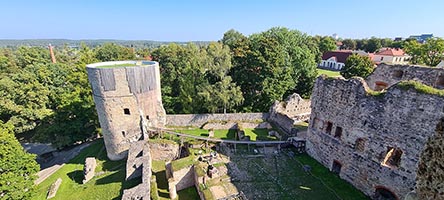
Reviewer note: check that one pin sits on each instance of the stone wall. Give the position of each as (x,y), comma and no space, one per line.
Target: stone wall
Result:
(199,120)
(138,165)
(287,113)
(385,76)
(373,142)
(126,98)
(180,179)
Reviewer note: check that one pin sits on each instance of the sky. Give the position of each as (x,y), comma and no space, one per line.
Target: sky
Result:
(199,20)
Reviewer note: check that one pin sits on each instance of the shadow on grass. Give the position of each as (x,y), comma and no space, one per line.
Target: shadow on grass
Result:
(204,134)
(231,135)
(76,176)
(162,184)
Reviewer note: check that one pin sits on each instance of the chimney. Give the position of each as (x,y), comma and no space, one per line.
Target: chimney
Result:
(51,52)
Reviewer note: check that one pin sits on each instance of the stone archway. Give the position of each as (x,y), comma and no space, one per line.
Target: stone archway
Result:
(383,193)
(430,174)
(379,85)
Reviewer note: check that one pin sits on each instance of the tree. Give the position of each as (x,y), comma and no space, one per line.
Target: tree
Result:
(17,167)
(277,62)
(357,65)
(373,44)
(348,44)
(113,52)
(433,51)
(415,50)
(327,44)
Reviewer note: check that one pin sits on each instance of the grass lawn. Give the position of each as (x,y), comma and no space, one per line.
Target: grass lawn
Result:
(283,177)
(255,134)
(158,168)
(328,72)
(258,134)
(109,185)
(221,134)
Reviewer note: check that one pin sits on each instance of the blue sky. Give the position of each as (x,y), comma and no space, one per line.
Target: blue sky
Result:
(207,20)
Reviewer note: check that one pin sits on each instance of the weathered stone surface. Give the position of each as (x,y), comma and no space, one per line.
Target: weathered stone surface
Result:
(139,192)
(430,177)
(199,120)
(387,75)
(52,191)
(285,114)
(164,150)
(89,169)
(352,132)
(124,95)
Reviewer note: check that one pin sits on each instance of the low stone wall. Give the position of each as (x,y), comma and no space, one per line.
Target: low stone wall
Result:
(179,180)
(285,114)
(199,120)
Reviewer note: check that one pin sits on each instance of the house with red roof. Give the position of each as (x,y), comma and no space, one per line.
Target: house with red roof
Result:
(334,60)
(391,56)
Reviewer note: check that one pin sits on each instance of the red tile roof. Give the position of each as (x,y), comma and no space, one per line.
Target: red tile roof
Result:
(341,56)
(390,52)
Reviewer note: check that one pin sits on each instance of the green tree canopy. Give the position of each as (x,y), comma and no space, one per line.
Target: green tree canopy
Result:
(348,44)
(327,44)
(357,65)
(17,167)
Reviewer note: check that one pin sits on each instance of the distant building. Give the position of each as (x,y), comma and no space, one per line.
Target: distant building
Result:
(335,60)
(390,56)
(397,39)
(421,38)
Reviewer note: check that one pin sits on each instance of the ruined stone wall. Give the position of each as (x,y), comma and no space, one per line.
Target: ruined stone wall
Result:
(165,150)
(200,119)
(138,164)
(294,109)
(364,135)
(124,97)
(386,75)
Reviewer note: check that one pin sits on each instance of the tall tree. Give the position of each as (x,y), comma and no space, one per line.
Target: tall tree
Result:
(17,167)
(113,52)
(373,44)
(415,50)
(327,44)
(277,62)
(348,44)
(357,65)
(433,51)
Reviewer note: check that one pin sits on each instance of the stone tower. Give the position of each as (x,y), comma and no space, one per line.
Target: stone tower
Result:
(128,101)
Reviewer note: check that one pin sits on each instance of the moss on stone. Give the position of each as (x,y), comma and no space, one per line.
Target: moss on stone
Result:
(419,87)
(118,65)
(162,141)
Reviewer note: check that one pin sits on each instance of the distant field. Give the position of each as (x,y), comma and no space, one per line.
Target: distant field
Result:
(328,72)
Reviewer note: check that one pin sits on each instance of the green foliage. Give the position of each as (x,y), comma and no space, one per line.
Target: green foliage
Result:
(51,101)
(17,167)
(419,87)
(195,79)
(430,53)
(327,44)
(270,65)
(357,65)
(373,44)
(113,52)
(349,44)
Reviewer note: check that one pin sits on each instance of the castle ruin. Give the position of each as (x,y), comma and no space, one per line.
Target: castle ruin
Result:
(128,100)
(388,143)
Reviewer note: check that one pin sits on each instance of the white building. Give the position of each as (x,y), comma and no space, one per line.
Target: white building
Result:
(334,60)
(391,56)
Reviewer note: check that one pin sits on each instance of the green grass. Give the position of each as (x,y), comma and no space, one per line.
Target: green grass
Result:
(182,163)
(221,134)
(421,88)
(283,177)
(341,187)
(188,194)
(301,126)
(258,134)
(109,185)
(158,168)
(329,73)
(119,65)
